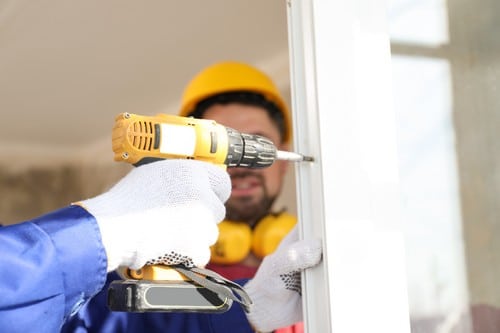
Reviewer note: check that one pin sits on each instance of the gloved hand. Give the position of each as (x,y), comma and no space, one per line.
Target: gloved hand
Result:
(166,211)
(276,288)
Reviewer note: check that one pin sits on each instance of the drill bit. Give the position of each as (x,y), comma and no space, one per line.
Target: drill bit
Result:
(291,156)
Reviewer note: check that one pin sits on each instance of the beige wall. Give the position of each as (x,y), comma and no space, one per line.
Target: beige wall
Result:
(475,60)
(30,192)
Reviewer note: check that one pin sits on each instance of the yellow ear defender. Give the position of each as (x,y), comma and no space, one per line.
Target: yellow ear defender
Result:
(270,231)
(236,239)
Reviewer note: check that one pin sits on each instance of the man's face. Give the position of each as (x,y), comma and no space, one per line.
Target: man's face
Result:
(253,190)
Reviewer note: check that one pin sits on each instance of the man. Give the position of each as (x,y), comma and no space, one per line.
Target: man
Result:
(53,264)
(242,97)
(238,96)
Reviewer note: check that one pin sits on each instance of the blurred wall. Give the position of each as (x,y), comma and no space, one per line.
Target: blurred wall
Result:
(36,190)
(475,49)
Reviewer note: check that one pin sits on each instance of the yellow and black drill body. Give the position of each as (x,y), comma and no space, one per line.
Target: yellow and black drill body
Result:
(138,140)
(144,139)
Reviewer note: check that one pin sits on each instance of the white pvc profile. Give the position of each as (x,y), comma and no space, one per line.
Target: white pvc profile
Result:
(309,181)
(343,117)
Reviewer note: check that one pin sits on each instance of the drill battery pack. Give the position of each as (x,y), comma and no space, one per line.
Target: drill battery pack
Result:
(164,296)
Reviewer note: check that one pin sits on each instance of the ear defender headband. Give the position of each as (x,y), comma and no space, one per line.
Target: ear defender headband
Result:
(236,239)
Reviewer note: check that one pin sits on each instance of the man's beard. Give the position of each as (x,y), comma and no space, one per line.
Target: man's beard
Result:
(246,210)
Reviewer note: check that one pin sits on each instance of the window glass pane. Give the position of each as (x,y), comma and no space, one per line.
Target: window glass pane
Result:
(418,21)
(429,192)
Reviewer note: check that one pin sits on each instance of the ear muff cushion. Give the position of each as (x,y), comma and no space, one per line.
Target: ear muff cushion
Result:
(270,231)
(233,243)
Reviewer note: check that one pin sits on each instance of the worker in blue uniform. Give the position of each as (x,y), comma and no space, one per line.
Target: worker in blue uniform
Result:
(274,286)
(242,96)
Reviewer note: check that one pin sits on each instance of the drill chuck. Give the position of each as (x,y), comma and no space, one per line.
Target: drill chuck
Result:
(249,151)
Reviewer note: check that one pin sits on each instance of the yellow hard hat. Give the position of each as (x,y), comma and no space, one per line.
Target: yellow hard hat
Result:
(231,76)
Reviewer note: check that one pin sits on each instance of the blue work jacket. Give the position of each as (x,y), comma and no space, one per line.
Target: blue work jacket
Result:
(53,273)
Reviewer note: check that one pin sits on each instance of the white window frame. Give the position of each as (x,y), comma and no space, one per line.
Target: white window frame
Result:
(348,197)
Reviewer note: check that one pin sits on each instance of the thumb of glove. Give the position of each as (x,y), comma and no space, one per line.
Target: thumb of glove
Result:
(276,288)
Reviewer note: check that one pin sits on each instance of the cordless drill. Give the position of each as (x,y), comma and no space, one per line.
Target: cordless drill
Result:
(139,139)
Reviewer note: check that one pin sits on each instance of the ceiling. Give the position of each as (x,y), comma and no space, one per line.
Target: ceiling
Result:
(67,68)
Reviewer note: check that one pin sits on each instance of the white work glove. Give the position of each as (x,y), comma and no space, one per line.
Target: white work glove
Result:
(275,290)
(162,212)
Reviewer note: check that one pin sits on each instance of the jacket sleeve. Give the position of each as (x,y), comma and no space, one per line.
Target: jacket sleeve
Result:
(50,267)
